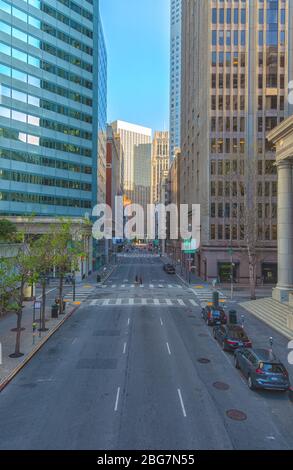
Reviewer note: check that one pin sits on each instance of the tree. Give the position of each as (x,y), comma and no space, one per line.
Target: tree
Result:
(67,248)
(8,231)
(15,274)
(42,263)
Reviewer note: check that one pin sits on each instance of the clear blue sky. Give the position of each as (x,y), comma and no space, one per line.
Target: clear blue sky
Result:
(137,37)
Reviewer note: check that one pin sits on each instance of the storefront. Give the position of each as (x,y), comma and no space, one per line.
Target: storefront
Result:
(224,271)
(269,272)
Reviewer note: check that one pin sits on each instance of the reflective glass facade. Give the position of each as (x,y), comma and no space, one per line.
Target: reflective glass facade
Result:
(49,107)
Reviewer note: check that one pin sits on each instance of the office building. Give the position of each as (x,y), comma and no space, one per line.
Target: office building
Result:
(175,75)
(236,65)
(136,143)
(160,163)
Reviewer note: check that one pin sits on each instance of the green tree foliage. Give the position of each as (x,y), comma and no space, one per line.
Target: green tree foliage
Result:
(8,231)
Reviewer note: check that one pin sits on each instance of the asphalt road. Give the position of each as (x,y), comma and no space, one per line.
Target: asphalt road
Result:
(123,373)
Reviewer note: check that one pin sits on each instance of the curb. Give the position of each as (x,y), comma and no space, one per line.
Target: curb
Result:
(15,371)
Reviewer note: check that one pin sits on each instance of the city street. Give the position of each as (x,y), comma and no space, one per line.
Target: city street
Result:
(137,368)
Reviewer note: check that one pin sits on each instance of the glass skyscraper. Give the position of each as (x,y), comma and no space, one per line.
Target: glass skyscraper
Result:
(50,106)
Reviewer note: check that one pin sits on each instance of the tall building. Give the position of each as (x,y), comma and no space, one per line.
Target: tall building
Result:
(102,114)
(236,65)
(136,143)
(49,106)
(160,163)
(175,75)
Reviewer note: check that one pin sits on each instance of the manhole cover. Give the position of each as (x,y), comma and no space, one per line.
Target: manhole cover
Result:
(221,386)
(203,360)
(236,415)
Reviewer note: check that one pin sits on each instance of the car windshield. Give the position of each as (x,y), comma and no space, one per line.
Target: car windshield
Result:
(273,368)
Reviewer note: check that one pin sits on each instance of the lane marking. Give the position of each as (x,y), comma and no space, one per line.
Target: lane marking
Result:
(118,301)
(161,321)
(169,350)
(128,322)
(124,349)
(182,403)
(131,302)
(181,302)
(117,399)
(48,292)
(156,302)
(106,302)
(193,302)
(169,302)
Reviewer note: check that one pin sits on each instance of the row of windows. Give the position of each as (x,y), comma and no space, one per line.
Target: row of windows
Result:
(221,16)
(41,64)
(33,21)
(66,20)
(227,59)
(78,9)
(235,210)
(234,81)
(44,46)
(28,178)
(237,232)
(229,37)
(234,145)
(236,102)
(230,167)
(39,160)
(44,104)
(37,82)
(227,189)
(42,199)
(43,123)
(228,124)
(44,142)
(66,38)
(7,8)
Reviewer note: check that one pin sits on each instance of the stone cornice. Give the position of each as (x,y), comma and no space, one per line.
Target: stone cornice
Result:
(282,131)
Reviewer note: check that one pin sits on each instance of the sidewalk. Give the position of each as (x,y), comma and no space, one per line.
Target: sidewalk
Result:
(30,344)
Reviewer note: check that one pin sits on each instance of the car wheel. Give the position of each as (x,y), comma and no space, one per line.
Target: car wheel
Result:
(250,383)
(236,362)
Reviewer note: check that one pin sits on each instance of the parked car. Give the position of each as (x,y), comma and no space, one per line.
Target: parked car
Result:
(214,316)
(231,337)
(262,369)
(169,269)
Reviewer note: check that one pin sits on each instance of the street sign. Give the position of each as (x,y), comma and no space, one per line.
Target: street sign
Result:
(37,305)
(189,246)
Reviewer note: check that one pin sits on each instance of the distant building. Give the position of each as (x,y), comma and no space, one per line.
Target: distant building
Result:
(160,163)
(136,142)
(175,76)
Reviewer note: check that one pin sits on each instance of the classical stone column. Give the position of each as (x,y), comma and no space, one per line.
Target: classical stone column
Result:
(285,230)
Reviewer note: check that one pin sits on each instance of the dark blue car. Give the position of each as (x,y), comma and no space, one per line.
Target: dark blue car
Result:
(262,369)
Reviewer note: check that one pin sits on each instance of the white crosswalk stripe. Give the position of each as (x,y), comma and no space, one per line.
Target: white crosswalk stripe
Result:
(146,286)
(205,295)
(139,302)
